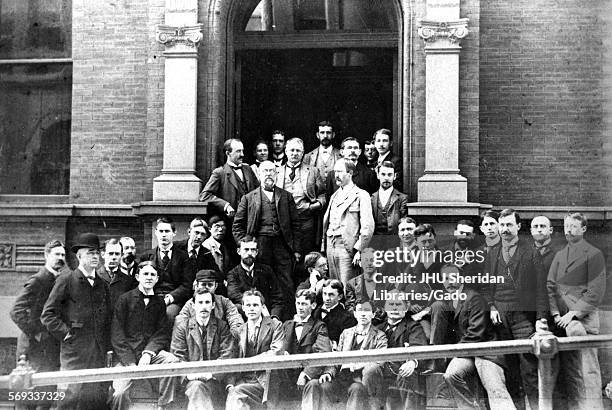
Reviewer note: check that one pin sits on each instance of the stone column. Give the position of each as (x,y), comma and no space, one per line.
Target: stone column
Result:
(442,32)
(180,35)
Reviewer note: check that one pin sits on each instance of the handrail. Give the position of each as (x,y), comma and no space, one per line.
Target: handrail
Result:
(264,362)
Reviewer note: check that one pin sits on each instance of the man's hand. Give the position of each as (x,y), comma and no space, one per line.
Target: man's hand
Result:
(357,259)
(229,210)
(407,368)
(168,299)
(325,378)
(145,359)
(495,317)
(199,376)
(415,308)
(297,256)
(566,318)
(302,380)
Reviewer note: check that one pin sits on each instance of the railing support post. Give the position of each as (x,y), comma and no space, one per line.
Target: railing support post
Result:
(545,348)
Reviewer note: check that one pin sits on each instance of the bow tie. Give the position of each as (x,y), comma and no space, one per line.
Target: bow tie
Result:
(236,166)
(92,277)
(299,324)
(268,189)
(145,296)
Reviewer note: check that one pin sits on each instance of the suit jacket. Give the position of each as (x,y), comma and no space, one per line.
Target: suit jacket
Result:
(397,207)
(136,327)
(337,320)
(528,277)
(247,218)
(84,311)
(223,187)
(178,276)
(187,340)
(204,260)
(264,280)
(312,181)
(312,157)
(374,340)
(35,341)
(363,177)
(356,292)
(120,283)
(314,339)
(357,223)
(224,310)
(577,281)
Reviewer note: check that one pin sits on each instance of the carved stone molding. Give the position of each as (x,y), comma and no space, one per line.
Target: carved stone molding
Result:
(187,36)
(7,256)
(452,31)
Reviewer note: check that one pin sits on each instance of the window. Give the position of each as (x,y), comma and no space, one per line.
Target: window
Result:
(35,96)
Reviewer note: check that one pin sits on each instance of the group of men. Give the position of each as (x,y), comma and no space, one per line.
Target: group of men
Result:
(264,289)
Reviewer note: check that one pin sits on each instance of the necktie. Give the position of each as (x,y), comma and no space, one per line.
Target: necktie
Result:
(192,254)
(292,173)
(299,324)
(324,312)
(91,277)
(111,274)
(253,337)
(204,337)
(165,259)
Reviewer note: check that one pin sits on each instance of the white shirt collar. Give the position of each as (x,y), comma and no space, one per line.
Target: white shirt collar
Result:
(381,158)
(248,270)
(324,150)
(148,293)
(53,271)
(257,324)
(297,319)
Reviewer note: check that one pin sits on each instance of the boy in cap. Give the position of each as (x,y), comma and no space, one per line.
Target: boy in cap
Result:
(78,313)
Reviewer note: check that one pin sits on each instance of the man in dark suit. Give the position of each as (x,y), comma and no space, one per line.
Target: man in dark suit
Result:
(383,140)
(278,156)
(261,336)
(305,334)
(78,313)
(229,183)
(406,388)
(140,335)
(307,187)
(216,243)
(203,337)
(173,266)
(269,214)
(41,349)
(576,287)
(324,157)
(388,204)
(363,176)
(470,323)
(118,282)
(545,250)
(333,313)
(254,275)
(517,301)
(370,155)
(200,257)
(128,264)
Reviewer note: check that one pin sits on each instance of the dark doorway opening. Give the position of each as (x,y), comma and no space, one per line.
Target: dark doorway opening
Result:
(293,90)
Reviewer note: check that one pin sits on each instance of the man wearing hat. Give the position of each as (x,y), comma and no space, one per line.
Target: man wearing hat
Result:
(78,314)
(224,308)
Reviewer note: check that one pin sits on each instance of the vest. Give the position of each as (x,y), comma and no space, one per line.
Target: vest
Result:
(269,225)
(380,217)
(506,291)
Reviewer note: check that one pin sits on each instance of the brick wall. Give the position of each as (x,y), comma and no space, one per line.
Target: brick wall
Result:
(109,109)
(542,135)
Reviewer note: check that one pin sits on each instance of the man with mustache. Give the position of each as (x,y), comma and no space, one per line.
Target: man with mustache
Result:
(388,204)
(128,263)
(269,214)
(383,140)
(363,176)
(324,157)
(35,341)
(576,287)
(118,282)
(518,300)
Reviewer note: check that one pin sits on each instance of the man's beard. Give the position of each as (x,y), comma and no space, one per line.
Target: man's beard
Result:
(386,184)
(326,142)
(128,258)
(248,261)
(59,265)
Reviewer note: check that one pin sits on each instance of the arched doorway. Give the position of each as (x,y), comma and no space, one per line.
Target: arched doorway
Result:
(292,63)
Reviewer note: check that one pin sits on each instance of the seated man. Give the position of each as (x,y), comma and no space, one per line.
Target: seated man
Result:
(332,312)
(203,337)
(139,333)
(224,308)
(315,265)
(254,275)
(470,321)
(362,381)
(304,334)
(261,336)
(406,388)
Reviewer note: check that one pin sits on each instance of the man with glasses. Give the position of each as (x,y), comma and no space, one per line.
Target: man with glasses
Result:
(217,245)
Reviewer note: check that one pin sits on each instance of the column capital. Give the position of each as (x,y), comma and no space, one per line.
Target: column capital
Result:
(443,32)
(185,37)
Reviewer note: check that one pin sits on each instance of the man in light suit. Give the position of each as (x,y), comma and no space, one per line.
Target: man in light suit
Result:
(348,224)
(307,186)
(363,177)
(388,204)
(261,336)
(324,157)
(269,214)
(576,286)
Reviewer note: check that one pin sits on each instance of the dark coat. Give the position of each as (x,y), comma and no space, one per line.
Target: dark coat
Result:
(264,280)
(224,187)
(137,327)
(84,311)
(336,321)
(177,278)
(35,341)
(528,276)
(398,167)
(247,218)
(314,339)
(397,207)
(120,283)
(204,260)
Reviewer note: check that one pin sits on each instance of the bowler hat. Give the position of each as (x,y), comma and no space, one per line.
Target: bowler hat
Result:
(206,274)
(86,240)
